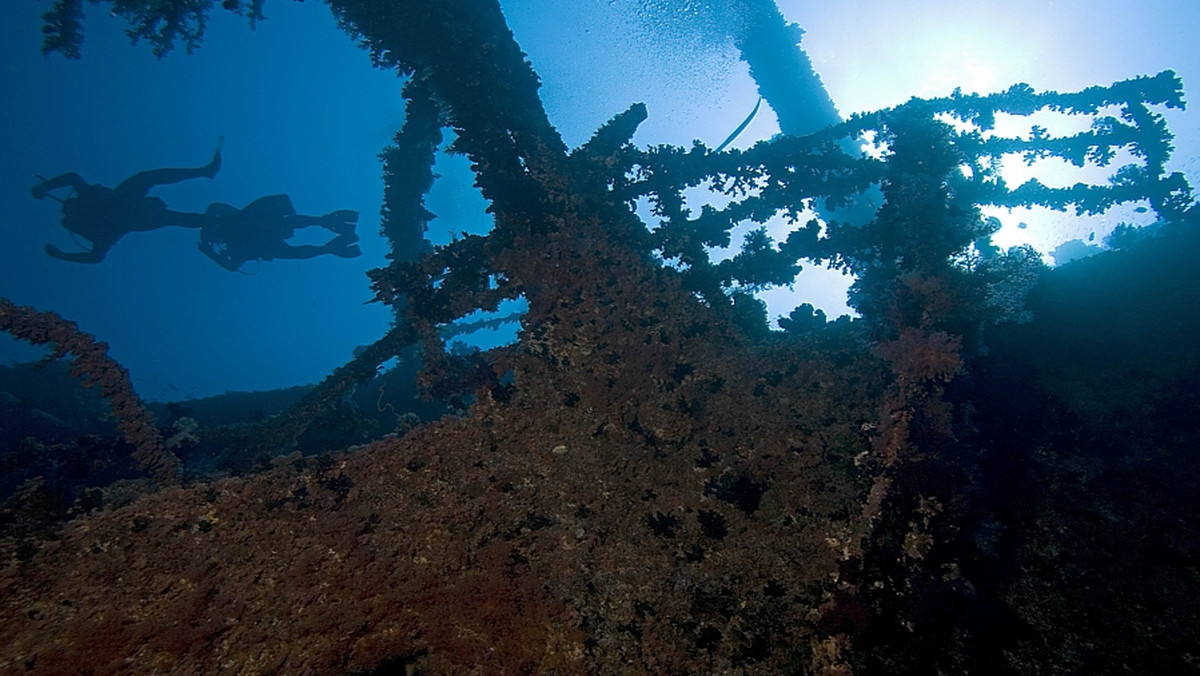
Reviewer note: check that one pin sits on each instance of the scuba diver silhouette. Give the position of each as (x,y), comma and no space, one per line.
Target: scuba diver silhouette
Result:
(104,215)
(231,237)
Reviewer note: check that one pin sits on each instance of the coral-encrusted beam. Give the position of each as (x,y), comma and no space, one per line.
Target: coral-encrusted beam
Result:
(93,364)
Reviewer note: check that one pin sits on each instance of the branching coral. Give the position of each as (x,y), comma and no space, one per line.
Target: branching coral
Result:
(469,74)
(162,23)
(934,177)
(633,399)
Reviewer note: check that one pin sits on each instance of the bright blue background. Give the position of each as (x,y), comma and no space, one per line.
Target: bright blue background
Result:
(303,113)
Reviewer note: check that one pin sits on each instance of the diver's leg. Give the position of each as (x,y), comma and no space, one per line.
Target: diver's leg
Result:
(186,219)
(293,252)
(338,222)
(155,215)
(338,247)
(341,222)
(141,182)
(301,221)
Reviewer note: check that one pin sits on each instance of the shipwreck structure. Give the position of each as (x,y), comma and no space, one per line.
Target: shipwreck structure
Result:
(651,480)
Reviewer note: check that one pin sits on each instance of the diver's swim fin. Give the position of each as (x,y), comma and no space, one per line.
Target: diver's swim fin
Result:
(340,222)
(211,169)
(343,246)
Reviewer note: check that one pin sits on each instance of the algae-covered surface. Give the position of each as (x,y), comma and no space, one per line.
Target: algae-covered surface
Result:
(990,469)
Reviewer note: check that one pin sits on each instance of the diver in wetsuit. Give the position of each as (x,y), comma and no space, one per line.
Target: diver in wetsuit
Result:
(231,237)
(104,215)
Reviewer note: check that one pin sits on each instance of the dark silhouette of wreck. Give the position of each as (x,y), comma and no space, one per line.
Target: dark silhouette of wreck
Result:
(990,471)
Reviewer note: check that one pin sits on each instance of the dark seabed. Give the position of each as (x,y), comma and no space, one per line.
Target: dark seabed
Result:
(638,336)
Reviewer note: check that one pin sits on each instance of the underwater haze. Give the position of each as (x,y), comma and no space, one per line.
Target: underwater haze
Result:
(599,337)
(303,113)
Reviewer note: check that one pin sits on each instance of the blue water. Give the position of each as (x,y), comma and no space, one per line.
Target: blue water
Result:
(1027,436)
(304,113)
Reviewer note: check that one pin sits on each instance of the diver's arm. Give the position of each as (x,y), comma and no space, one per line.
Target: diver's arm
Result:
(94,256)
(62,180)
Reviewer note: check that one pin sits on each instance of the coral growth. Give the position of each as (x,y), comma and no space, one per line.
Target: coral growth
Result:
(92,363)
(649,480)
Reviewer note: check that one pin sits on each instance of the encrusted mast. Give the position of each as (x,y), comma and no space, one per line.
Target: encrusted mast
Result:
(534,183)
(466,72)
(650,479)
(92,363)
